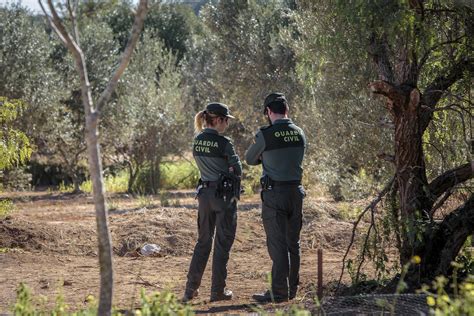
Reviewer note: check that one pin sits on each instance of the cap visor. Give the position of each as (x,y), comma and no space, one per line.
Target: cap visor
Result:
(228,115)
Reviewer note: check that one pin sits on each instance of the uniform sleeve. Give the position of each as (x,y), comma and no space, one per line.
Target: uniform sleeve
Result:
(254,153)
(233,159)
(304,138)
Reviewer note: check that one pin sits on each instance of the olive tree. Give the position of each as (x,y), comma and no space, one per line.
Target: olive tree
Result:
(422,64)
(150,122)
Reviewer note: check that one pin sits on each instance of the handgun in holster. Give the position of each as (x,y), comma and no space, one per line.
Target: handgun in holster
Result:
(266,182)
(228,187)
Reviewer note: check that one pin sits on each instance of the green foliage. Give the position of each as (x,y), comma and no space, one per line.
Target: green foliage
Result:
(347,211)
(15,146)
(443,303)
(339,117)
(251,178)
(162,303)
(145,201)
(25,73)
(150,121)
(23,304)
(173,24)
(156,304)
(6,208)
(465,260)
(173,175)
(113,183)
(181,174)
(238,59)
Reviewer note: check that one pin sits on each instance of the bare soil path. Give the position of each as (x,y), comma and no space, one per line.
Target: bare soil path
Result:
(49,243)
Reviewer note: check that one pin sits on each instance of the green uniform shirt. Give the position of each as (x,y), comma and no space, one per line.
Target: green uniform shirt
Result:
(280,147)
(214,154)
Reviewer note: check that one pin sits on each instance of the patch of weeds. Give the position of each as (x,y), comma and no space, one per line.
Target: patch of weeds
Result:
(12,250)
(6,208)
(145,201)
(181,174)
(113,183)
(165,199)
(176,203)
(161,303)
(27,304)
(86,186)
(66,188)
(460,302)
(391,305)
(112,205)
(23,304)
(117,183)
(347,211)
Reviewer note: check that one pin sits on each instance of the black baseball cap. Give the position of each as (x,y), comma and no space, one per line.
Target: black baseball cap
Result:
(218,109)
(276,101)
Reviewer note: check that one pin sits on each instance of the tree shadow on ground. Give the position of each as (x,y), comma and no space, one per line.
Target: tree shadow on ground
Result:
(228,308)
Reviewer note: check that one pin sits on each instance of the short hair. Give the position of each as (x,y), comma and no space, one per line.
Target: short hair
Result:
(280,107)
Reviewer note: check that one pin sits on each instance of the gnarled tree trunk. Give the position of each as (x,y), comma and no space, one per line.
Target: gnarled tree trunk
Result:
(437,244)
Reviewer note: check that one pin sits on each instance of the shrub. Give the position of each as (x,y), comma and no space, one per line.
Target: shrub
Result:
(175,175)
(251,178)
(6,208)
(461,302)
(113,183)
(156,304)
(162,303)
(181,174)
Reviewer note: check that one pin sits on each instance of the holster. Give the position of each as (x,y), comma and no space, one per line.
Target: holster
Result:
(266,182)
(228,187)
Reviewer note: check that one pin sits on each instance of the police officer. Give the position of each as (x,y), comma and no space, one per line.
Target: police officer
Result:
(215,157)
(280,148)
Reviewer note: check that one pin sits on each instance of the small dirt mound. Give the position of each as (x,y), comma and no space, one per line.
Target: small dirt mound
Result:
(20,235)
(172,229)
(57,237)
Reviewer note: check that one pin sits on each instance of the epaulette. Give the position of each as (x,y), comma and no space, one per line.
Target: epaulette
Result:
(265,127)
(228,138)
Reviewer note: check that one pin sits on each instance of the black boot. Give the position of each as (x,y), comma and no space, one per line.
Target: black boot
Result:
(189,294)
(268,297)
(225,295)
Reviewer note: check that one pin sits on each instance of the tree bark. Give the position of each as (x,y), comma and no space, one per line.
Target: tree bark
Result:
(103,232)
(443,243)
(404,104)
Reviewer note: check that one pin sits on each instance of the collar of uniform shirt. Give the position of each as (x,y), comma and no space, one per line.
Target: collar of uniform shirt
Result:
(282,121)
(210,130)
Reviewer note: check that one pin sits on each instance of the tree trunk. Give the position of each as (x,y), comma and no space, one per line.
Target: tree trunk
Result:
(92,132)
(411,173)
(436,244)
(404,105)
(103,233)
(442,244)
(77,184)
(133,173)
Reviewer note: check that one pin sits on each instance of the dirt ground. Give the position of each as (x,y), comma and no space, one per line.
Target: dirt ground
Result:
(49,243)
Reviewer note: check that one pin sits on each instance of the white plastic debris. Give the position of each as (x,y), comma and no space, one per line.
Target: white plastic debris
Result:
(150,249)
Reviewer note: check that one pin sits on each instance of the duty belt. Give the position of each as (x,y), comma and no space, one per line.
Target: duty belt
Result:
(267,183)
(282,183)
(209,184)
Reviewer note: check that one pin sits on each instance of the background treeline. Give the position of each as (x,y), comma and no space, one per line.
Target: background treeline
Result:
(234,52)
